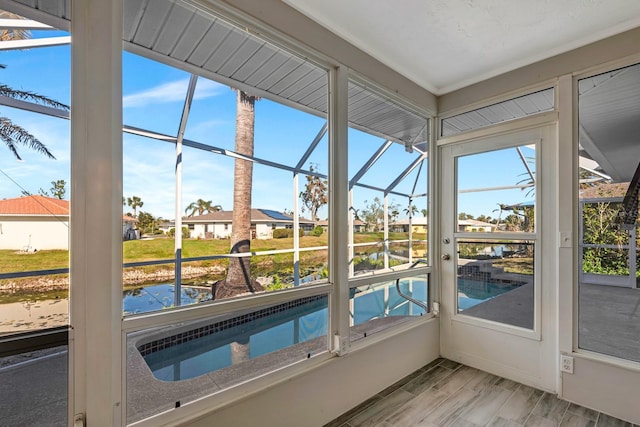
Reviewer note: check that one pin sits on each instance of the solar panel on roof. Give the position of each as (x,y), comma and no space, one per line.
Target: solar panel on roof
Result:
(275,215)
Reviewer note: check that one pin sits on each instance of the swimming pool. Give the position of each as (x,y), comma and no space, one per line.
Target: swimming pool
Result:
(225,342)
(157,297)
(473,292)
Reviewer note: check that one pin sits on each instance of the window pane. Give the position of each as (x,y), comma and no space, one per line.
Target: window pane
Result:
(238,211)
(35,199)
(608,319)
(35,193)
(496,191)
(233,209)
(496,281)
(379,306)
(388,181)
(388,171)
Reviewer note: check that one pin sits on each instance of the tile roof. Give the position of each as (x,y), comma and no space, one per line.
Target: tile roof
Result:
(34,205)
(40,205)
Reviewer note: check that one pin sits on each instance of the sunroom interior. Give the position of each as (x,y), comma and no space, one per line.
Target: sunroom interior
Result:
(479,173)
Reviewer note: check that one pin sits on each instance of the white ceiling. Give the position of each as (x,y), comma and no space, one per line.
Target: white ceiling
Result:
(444,45)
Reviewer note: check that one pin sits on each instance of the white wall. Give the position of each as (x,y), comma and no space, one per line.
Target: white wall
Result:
(37,233)
(219,231)
(263,231)
(598,385)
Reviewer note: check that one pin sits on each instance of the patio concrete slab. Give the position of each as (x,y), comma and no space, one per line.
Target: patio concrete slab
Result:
(34,393)
(609,320)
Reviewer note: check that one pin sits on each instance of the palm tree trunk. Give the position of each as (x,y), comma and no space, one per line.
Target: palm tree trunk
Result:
(238,278)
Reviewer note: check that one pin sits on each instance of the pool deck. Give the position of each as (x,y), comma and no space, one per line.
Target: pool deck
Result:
(515,308)
(609,320)
(33,392)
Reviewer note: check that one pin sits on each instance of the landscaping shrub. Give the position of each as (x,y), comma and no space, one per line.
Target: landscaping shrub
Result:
(282,233)
(317,231)
(185,232)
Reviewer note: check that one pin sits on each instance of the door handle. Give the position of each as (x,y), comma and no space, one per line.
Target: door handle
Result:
(445,257)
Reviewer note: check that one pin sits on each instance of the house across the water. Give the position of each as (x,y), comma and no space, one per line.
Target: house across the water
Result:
(218,225)
(35,222)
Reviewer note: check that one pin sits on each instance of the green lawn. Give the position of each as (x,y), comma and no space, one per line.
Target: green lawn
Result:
(163,248)
(12,261)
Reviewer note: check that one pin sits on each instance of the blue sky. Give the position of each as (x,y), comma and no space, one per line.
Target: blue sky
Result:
(153,97)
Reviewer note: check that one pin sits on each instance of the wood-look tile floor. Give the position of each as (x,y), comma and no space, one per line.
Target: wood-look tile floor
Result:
(445,393)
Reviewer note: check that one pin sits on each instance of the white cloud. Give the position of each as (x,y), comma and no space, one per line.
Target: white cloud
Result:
(171,92)
(203,129)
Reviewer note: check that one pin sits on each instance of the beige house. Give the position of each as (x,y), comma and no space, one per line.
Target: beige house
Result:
(418,225)
(472,225)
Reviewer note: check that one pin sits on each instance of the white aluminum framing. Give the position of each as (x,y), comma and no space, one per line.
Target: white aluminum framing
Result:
(33,43)
(96,184)
(23,24)
(177,296)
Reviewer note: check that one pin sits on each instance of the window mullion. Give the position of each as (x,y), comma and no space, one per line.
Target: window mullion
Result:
(338,209)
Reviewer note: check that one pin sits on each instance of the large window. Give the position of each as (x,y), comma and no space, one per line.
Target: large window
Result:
(388,211)
(35,194)
(608,210)
(225,199)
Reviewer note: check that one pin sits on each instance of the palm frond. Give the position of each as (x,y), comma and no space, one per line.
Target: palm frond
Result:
(13,134)
(30,96)
(13,34)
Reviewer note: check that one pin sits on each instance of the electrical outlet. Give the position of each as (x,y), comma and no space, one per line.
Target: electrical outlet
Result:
(566,364)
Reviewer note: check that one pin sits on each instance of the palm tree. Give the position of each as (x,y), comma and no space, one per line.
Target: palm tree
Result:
(134,202)
(202,206)
(11,133)
(411,210)
(501,207)
(238,278)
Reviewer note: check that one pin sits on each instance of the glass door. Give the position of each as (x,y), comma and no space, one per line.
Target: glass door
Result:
(490,254)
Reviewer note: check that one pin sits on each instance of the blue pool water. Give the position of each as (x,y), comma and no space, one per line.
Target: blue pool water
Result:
(264,335)
(474,292)
(158,297)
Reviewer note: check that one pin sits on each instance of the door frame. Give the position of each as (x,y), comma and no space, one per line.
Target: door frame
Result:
(526,356)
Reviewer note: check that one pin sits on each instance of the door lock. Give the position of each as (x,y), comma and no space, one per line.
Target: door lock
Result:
(445,257)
